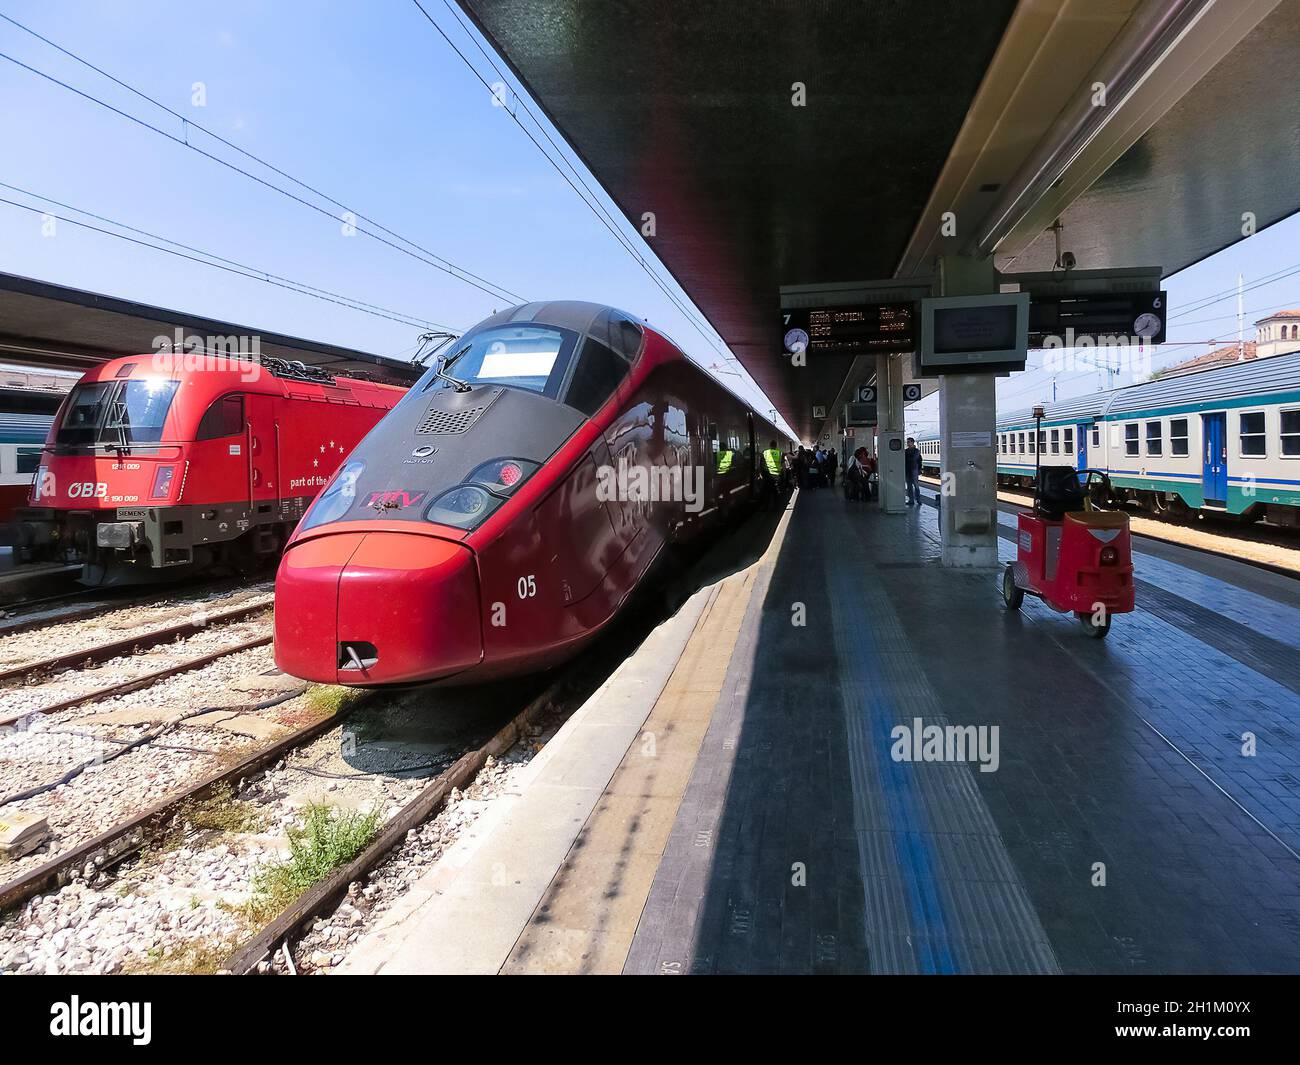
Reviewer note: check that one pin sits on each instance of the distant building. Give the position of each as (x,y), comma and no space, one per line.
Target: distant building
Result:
(1278,334)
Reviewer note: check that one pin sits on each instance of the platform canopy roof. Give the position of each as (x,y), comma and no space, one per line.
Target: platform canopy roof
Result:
(986,109)
(46,325)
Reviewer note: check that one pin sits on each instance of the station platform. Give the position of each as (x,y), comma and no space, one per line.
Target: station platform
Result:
(736,798)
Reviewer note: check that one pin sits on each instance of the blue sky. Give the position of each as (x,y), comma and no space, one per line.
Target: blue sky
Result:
(365,102)
(369,105)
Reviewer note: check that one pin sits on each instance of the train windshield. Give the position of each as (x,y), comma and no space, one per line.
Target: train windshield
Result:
(525,356)
(117,412)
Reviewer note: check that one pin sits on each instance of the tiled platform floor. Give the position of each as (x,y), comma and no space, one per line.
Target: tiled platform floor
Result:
(801,845)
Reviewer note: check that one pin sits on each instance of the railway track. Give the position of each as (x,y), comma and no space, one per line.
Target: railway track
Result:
(283,930)
(147,680)
(129,837)
(133,643)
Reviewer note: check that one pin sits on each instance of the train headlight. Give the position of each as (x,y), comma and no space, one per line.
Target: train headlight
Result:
(464,507)
(503,476)
(162,482)
(338,496)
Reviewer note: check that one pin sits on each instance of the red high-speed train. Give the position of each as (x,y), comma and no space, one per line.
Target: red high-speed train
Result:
(160,464)
(502,513)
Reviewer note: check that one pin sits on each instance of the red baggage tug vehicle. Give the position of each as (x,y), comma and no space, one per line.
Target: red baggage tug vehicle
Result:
(1076,559)
(163,464)
(503,512)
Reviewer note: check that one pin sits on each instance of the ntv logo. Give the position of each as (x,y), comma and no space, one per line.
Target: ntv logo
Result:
(77,1018)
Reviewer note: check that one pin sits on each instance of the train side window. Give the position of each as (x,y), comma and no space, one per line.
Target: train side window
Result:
(1291,433)
(224,418)
(1131,438)
(1155,438)
(1251,431)
(1056,441)
(1178,436)
(1096,436)
(594,379)
(28,459)
(1067,441)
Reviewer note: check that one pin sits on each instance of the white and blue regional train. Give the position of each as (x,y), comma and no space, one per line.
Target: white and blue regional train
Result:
(1224,441)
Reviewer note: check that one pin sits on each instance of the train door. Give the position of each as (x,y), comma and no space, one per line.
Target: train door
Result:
(1081,445)
(263,452)
(1214,478)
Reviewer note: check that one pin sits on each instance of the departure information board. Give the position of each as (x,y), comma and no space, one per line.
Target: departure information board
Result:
(857,329)
(1097,320)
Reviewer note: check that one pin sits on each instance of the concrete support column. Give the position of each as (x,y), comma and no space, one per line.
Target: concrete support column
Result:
(968,522)
(889,416)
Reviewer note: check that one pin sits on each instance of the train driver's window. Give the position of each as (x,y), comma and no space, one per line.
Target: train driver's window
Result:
(595,377)
(224,418)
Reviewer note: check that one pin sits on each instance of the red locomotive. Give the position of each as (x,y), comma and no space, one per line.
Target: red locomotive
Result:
(161,464)
(504,511)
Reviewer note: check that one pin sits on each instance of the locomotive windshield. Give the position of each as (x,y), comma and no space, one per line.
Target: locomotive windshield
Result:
(525,356)
(116,412)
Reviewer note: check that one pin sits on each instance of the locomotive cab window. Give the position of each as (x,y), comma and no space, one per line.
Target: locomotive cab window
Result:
(534,357)
(117,412)
(597,373)
(224,418)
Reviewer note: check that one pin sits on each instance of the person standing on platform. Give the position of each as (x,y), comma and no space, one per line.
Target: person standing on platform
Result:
(912,471)
(832,462)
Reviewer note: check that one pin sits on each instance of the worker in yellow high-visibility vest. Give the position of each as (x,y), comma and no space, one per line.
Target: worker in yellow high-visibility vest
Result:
(773,471)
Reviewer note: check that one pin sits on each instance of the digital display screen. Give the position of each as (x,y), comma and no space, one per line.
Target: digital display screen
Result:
(972,330)
(857,329)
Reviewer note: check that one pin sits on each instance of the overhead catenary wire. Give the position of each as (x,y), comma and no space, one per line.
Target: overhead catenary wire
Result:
(235,268)
(438,262)
(597,209)
(307,289)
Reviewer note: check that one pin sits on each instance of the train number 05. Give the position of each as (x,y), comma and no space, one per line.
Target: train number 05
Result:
(527,587)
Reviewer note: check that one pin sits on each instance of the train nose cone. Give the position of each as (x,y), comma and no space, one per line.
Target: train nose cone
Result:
(377,608)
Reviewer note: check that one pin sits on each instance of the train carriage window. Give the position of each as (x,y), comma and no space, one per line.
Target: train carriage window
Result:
(224,418)
(1131,438)
(598,372)
(1251,432)
(1056,441)
(1155,438)
(1178,436)
(1096,436)
(1067,441)
(1022,443)
(28,459)
(1291,433)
